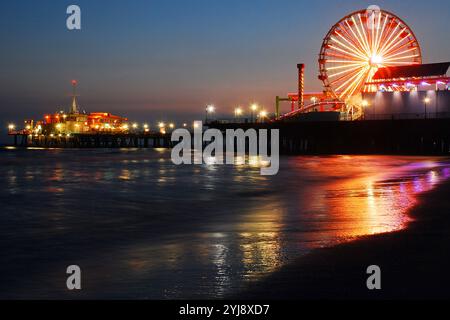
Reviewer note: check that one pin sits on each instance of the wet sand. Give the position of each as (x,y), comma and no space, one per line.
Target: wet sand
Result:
(415,262)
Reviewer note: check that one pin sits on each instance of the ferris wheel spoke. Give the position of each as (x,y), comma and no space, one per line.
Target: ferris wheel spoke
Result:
(395,50)
(395,43)
(392,63)
(353,84)
(345,77)
(360,35)
(355,36)
(389,57)
(366,36)
(375,26)
(355,48)
(343,80)
(347,81)
(375,39)
(390,40)
(345,71)
(339,55)
(381,34)
(353,55)
(345,66)
(392,27)
(372,31)
(358,83)
(341,61)
(402,58)
(350,38)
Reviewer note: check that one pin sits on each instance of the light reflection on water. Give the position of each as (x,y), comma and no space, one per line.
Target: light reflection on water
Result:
(141,227)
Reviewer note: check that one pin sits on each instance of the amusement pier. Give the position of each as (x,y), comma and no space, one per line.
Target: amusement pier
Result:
(378,97)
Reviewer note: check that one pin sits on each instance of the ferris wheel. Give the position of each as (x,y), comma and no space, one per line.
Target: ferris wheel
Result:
(361,43)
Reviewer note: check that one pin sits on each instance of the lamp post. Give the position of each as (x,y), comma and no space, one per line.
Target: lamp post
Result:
(253,108)
(237,113)
(262,115)
(209,109)
(162,127)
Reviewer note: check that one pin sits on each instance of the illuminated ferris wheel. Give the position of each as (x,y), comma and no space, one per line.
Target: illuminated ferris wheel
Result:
(358,45)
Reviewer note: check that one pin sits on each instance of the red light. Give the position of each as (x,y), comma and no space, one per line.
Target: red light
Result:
(74,82)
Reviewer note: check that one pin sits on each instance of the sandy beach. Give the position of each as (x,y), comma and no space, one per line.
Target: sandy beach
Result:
(414,262)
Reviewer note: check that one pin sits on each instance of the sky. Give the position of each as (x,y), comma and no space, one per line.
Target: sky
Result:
(159,60)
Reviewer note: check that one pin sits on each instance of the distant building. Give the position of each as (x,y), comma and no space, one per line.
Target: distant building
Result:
(76,122)
(409,92)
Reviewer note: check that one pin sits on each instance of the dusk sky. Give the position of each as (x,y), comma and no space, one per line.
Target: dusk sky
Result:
(167,58)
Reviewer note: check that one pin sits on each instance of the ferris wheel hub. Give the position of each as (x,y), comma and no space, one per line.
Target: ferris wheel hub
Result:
(376,60)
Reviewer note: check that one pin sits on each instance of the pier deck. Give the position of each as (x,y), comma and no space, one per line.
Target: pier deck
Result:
(409,137)
(151,140)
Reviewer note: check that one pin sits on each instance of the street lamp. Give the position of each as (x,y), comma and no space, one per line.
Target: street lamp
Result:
(262,115)
(253,108)
(426,101)
(237,112)
(162,127)
(209,109)
(11,127)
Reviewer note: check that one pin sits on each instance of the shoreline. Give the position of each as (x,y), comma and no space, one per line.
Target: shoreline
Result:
(414,262)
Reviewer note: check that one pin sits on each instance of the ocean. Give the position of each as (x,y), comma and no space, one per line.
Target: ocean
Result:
(140,227)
